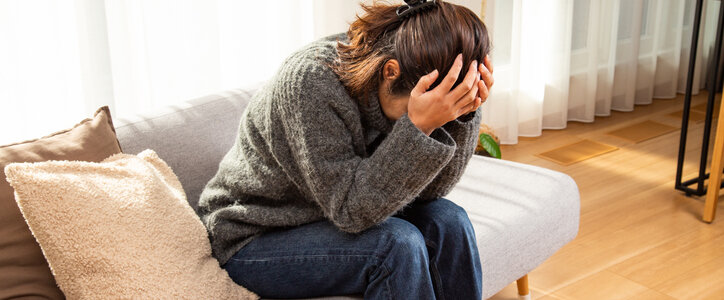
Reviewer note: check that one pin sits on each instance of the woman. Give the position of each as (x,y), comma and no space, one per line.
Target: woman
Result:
(335,181)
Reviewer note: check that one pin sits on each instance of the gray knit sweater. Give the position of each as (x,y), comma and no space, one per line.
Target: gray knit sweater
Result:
(307,151)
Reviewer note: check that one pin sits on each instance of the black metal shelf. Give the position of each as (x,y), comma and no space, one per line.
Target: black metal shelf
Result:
(700,189)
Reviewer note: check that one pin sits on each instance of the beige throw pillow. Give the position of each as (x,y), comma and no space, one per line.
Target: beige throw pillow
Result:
(23,269)
(119,229)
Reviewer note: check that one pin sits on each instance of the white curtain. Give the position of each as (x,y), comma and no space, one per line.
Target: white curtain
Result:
(572,60)
(61,60)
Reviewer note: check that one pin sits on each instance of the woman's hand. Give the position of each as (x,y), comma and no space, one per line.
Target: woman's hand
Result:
(486,72)
(429,110)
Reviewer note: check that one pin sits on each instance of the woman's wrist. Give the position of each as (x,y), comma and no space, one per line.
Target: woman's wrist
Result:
(427,130)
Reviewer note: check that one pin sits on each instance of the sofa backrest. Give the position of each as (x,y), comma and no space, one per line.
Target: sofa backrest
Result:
(191,137)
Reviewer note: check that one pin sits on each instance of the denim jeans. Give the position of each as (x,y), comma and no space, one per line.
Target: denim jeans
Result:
(427,251)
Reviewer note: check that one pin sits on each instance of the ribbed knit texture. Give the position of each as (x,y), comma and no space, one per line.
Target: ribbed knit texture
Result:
(302,155)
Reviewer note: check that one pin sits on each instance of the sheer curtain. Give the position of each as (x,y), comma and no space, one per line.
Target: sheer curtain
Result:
(572,60)
(61,60)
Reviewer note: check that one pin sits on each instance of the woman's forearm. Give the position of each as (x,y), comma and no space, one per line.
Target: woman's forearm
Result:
(464,133)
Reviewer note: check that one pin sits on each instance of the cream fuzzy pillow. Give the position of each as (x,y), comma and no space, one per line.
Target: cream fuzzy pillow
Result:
(119,229)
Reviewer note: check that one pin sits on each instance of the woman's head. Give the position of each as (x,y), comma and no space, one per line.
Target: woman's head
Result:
(414,45)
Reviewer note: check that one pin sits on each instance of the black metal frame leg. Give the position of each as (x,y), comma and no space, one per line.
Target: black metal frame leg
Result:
(684,186)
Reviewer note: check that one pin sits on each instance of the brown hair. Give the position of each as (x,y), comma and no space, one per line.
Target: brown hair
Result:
(425,41)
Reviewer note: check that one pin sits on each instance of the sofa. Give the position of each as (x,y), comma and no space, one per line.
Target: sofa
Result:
(522,214)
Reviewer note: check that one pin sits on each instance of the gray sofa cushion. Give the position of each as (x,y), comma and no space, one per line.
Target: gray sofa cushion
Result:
(522,215)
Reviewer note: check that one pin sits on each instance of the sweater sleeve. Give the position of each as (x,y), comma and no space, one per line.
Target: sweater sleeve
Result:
(465,132)
(353,192)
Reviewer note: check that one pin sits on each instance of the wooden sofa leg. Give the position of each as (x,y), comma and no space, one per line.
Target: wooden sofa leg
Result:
(523,290)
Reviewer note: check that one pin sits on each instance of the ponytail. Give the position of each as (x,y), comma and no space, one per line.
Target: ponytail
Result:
(371,45)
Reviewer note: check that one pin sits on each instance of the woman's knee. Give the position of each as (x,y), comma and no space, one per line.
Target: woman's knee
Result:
(449,214)
(402,235)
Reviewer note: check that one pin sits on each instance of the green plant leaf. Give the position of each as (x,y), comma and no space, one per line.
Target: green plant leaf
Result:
(490,145)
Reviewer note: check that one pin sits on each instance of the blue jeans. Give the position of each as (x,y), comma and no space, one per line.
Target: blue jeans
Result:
(427,251)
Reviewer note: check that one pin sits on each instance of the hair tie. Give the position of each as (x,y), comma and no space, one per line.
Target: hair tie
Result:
(413,6)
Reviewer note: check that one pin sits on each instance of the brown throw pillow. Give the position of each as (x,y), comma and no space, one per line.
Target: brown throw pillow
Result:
(23,268)
(120,229)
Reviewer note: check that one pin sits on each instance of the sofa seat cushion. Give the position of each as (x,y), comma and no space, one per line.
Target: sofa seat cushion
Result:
(522,214)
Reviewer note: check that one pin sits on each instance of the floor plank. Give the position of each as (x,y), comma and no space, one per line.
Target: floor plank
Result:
(603,285)
(639,238)
(651,295)
(703,282)
(674,257)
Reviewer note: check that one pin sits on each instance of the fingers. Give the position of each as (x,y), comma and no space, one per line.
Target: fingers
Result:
(469,98)
(483,93)
(473,106)
(483,90)
(452,75)
(488,63)
(468,83)
(424,83)
(478,103)
(487,74)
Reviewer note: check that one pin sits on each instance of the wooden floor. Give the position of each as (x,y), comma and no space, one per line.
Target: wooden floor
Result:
(639,238)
